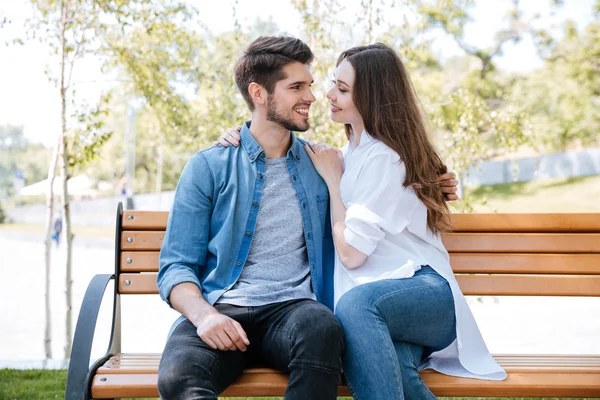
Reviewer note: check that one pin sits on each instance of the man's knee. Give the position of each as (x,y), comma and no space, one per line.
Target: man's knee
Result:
(179,371)
(318,338)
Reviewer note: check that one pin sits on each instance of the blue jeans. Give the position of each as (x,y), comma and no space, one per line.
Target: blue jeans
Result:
(389,327)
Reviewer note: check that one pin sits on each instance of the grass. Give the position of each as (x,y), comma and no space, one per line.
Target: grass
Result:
(50,384)
(560,195)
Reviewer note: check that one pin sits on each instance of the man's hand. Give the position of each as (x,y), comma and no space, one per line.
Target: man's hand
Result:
(230,136)
(215,329)
(449,185)
(223,333)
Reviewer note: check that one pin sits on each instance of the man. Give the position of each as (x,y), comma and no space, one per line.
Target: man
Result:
(248,257)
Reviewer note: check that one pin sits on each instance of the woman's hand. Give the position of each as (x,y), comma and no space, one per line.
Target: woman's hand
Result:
(328,161)
(230,136)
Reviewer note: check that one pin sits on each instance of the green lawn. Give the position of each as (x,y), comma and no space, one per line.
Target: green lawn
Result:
(561,195)
(48,384)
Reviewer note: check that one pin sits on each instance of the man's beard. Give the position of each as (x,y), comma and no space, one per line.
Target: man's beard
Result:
(274,116)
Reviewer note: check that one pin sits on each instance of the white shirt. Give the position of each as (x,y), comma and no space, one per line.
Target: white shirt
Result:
(388,223)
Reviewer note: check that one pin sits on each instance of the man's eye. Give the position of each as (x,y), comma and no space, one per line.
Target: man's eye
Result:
(295,87)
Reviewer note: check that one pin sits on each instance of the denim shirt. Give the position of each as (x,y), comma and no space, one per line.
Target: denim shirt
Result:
(211,224)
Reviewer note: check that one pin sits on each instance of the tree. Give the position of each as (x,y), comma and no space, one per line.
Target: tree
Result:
(563,96)
(73,29)
(17,153)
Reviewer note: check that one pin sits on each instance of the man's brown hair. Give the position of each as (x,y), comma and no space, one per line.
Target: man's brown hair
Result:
(263,62)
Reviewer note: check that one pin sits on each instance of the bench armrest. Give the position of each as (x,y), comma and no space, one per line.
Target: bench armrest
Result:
(79,364)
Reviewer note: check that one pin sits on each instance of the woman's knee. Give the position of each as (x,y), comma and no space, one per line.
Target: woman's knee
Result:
(356,306)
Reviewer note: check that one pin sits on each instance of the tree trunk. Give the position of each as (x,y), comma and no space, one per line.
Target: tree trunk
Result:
(48,250)
(65,177)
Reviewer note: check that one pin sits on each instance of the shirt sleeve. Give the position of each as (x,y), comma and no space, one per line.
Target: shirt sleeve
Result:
(185,245)
(380,203)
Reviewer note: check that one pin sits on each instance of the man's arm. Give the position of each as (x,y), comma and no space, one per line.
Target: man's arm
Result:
(184,253)
(215,329)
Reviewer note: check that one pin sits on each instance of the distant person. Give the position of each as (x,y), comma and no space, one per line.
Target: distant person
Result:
(57,230)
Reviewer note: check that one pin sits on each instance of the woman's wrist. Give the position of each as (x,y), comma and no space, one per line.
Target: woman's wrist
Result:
(334,186)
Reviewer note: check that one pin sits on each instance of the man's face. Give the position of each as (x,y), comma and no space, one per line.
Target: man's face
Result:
(289,104)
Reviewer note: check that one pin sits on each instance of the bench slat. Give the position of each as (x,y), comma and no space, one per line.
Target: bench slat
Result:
(522,242)
(539,384)
(500,285)
(454,242)
(128,363)
(139,261)
(145,220)
(525,263)
(482,263)
(582,222)
(142,240)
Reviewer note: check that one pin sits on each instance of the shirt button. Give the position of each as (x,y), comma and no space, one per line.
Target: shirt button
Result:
(259,176)
(248,233)
(252,157)
(298,158)
(294,177)
(255,204)
(239,263)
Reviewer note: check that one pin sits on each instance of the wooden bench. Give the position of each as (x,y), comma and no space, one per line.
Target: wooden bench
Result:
(492,254)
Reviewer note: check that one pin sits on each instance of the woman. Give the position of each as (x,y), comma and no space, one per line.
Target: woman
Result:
(395,293)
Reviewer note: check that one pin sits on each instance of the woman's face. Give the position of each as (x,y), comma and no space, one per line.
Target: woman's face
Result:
(342,108)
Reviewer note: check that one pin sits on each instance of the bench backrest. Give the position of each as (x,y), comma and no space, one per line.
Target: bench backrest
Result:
(491,254)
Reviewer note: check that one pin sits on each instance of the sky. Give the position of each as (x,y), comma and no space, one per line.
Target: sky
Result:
(29,99)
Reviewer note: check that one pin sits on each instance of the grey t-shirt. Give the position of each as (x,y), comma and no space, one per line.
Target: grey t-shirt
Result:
(277,267)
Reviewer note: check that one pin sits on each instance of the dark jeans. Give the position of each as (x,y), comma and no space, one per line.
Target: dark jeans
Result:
(300,337)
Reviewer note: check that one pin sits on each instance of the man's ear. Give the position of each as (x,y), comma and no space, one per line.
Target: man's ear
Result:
(258,94)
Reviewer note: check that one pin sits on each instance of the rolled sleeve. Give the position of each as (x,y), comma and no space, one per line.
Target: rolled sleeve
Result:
(363,229)
(184,249)
(177,274)
(380,203)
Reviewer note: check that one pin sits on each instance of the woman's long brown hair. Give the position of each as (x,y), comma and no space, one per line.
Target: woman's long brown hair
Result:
(388,104)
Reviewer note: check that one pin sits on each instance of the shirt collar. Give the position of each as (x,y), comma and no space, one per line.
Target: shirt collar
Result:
(365,141)
(253,149)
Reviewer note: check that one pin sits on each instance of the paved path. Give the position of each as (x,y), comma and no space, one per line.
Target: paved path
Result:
(509,324)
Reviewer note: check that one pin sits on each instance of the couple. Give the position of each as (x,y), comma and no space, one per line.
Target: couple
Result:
(266,238)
